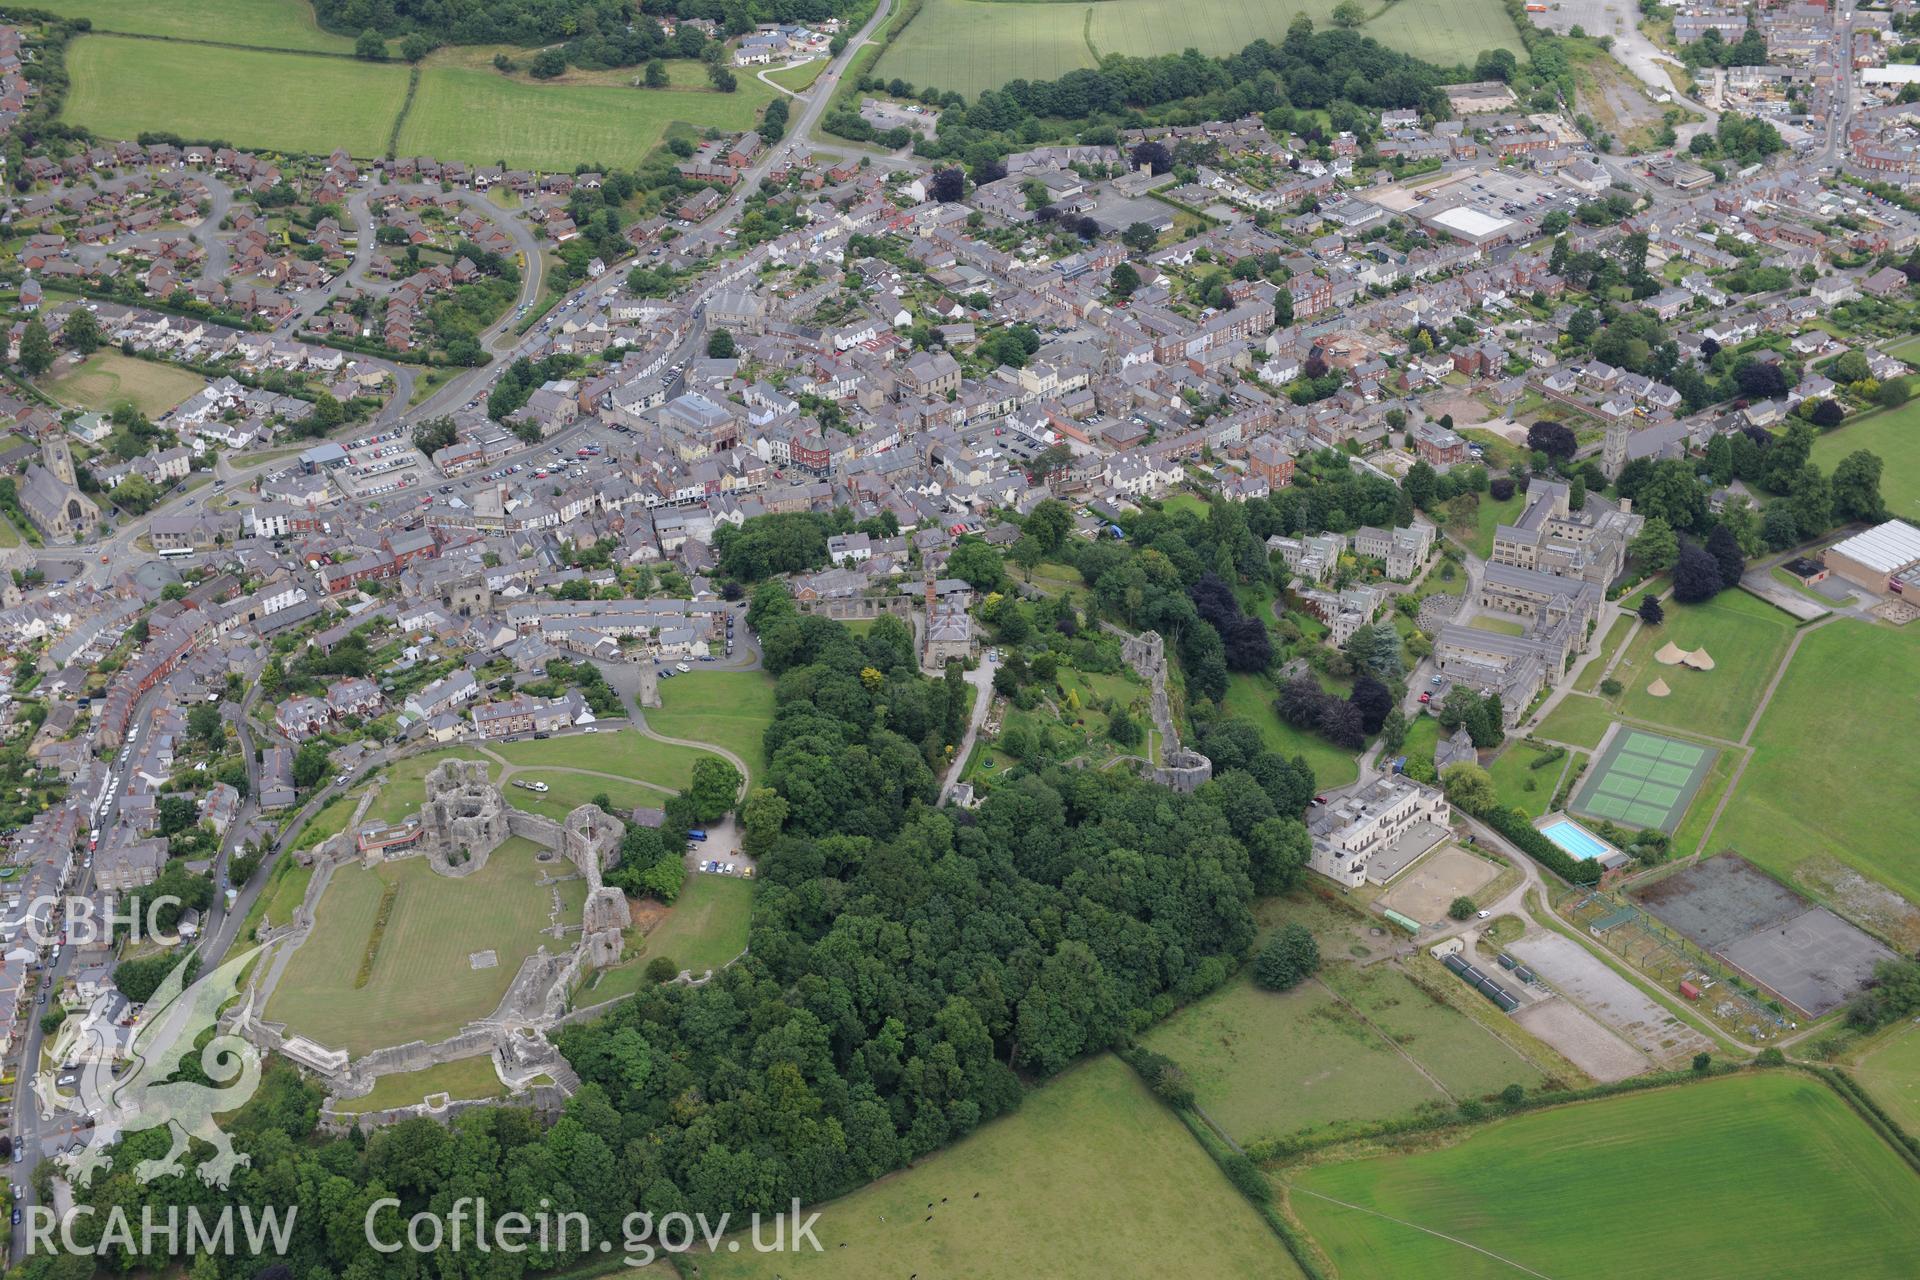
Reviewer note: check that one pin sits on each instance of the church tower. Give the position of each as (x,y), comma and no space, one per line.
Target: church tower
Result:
(59,459)
(1613,451)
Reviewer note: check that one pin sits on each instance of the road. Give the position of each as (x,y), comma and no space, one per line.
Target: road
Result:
(981,678)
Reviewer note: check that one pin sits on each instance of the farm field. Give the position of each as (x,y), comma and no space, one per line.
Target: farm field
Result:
(107,378)
(484,118)
(461,1078)
(1746,637)
(1268,1064)
(282,101)
(421,985)
(1817,783)
(270,24)
(1250,697)
(730,709)
(970,45)
(1891,1073)
(1712,1169)
(1037,1212)
(624,753)
(1895,437)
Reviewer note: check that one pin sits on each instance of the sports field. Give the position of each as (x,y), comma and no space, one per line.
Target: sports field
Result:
(284,101)
(1643,780)
(1092,1178)
(1891,1073)
(730,709)
(1745,636)
(1827,759)
(970,45)
(1752,1177)
(624,753)
(107,378)
(269,24)
(461,1078)
(1894,436)
(484,118)
(421,985)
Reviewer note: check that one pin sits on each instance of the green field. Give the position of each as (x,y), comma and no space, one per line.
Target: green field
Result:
(107,378)
(1513,770)
(1577,721)
(1895,437)
(1891,1073)
(799,78)
(1595,671)
(1092,1178)
(421,985)
(970,45)
(484,118)
(730,709)
(272,24)
(1827,755)
(1754,1177)
(280,897)
(1489,516)
(625,753)
(1499,626)
(568,791)
(282,101)
(461,1078)
(329,822)
(313,103)
(1746,637)
(403,787)
(1250,697)
(704,930)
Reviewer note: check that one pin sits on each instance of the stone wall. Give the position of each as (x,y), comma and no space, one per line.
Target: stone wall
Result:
(1179,768)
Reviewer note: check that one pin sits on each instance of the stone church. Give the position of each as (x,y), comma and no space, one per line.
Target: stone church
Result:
(51,496)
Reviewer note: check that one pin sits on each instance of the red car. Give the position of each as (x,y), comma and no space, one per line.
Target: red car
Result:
(1426,697)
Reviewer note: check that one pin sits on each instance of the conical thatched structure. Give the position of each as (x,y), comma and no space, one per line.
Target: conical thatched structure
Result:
(1700,660)
(1659,688)
(1670,654)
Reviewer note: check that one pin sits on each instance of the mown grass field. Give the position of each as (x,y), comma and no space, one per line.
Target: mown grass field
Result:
(270,24)
(461,1078)
(280,101)
(800,78)
(970,45)
(568,791)
(1250,697)
(106,379)
(485,118)
(1891,1073)
(403,786)
(703,930)
(1746,637)
(1595,671)
(730,709)
(1895,437)
(1828,759)
(1520,785)
(1753,1177)
(624,753)
(1091,1178)
(1579,721)
(421,985)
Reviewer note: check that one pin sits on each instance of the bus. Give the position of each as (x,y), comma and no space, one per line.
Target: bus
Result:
(174,553)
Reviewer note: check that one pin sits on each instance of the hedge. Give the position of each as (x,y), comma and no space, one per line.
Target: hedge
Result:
(1515,827)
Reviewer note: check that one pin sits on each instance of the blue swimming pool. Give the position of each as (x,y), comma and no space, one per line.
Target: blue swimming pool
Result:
(1575,839)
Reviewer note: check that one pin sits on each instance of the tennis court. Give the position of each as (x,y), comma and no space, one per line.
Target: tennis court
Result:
(1644,780)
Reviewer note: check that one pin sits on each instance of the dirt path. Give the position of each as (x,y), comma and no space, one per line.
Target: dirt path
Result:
(1390,1041)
